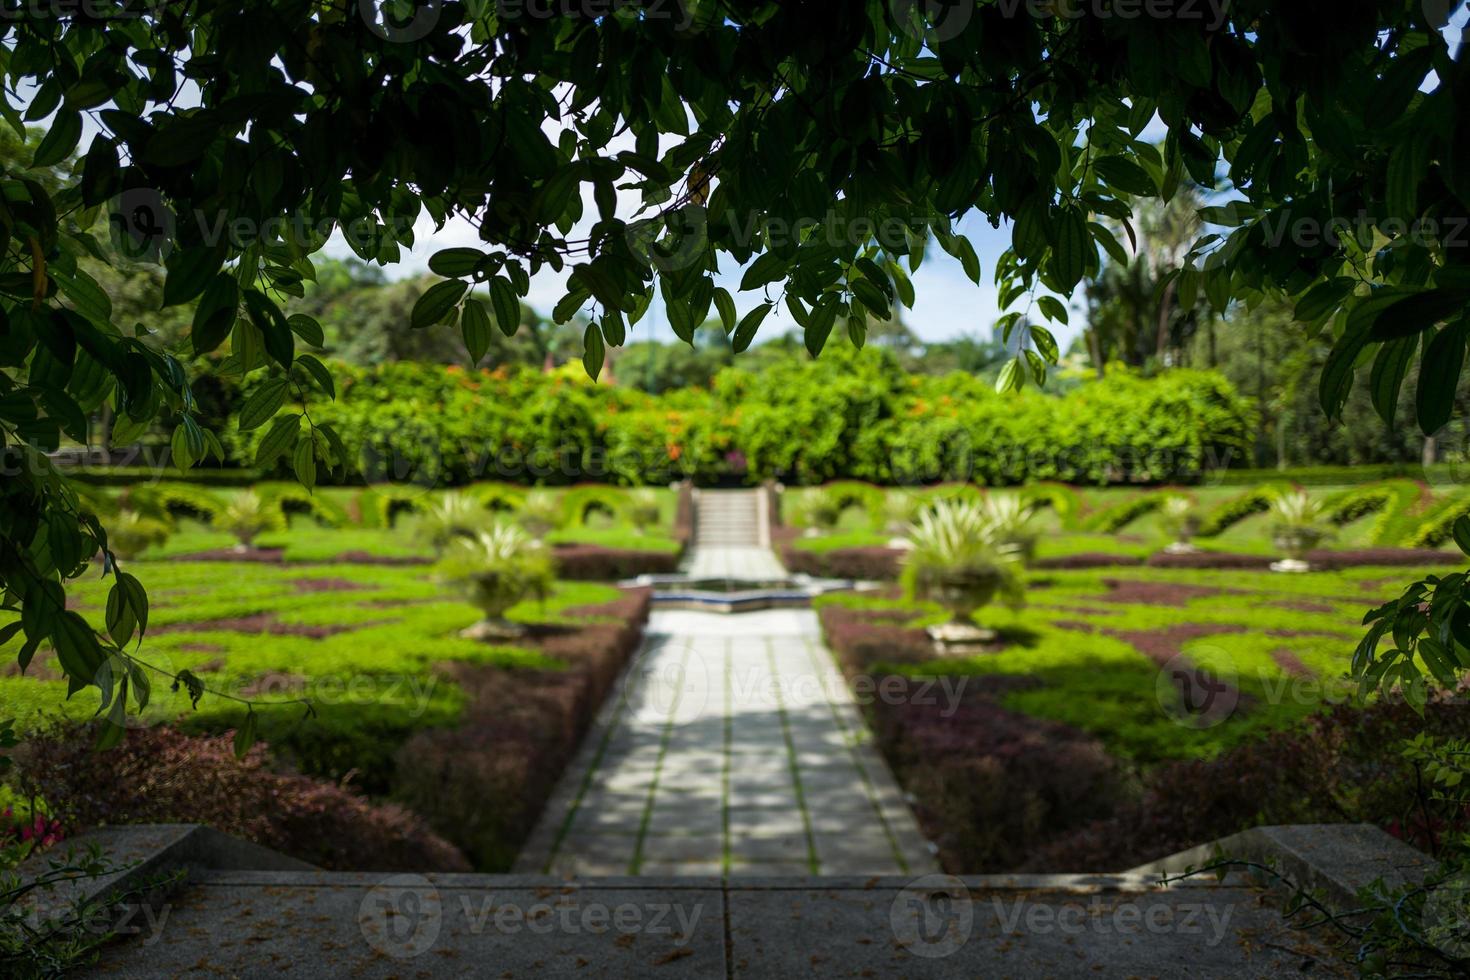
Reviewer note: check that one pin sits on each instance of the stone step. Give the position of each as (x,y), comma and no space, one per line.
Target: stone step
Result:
(230,921)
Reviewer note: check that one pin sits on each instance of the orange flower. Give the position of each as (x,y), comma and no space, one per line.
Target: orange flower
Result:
(675,450)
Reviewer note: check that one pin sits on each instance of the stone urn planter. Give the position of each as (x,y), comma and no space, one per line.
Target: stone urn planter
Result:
(493,595)
(1295,542)
(962,592)
(1185,531)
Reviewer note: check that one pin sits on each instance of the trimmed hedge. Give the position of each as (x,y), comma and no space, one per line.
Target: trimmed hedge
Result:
(846,416)
(1120,515)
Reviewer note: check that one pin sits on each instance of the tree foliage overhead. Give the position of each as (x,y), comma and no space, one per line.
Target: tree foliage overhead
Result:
(823,146)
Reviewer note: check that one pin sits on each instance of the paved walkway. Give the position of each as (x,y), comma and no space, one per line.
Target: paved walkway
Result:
(734,748)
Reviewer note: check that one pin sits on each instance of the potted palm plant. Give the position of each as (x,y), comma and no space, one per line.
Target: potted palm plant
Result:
(245,516)
(958,561)
(1009,516)
(1180,517)
(1296,529)
(454,515)
(497,569)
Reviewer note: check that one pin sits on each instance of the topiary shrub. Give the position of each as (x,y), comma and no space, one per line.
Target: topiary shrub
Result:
(387,504)
(1120,515)
(1391,500)
(579,503)
(1061,499)
(1238,508)
(171,501)
(292,498)
(498,498)
(867,498)
(1436,525)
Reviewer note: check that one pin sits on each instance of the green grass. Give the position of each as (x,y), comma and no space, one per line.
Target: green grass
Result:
(372,683)
(1073,638)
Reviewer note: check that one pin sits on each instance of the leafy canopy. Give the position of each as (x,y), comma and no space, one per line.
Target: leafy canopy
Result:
(823,146)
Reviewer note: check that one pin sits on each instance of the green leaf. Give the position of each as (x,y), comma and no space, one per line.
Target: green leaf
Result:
(1418,312)
(507,306)
(725,304)
(262,404)
(303,462)
(1387,377)
(1125,175)
(60,140)
(1439,377)
(214,317)
(820,323)
(1046,344)
(279,440)
(455,263)
(1053,309)
(307,328)
(474,326)
(436,302)
(245,735)
(271,322)
(319,374)
(1462,535)
(1069,260)
(593,351)
(190,270)
(77,650)
(746,330)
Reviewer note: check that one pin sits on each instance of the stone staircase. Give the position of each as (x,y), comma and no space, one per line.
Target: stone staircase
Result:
(730,518)
(232,909)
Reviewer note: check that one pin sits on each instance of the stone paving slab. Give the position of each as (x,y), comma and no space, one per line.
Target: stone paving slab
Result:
(751,925)
(738,733)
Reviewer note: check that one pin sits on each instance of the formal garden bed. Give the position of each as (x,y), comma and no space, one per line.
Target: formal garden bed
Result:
(391,734)
(853,530)
(1126,713)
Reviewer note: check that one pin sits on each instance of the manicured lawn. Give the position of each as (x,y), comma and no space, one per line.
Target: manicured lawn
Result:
(360,641)
(1091,644)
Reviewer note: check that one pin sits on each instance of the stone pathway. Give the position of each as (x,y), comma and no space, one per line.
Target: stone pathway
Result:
(733,747)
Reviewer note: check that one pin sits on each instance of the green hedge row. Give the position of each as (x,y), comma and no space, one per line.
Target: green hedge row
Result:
(849,415)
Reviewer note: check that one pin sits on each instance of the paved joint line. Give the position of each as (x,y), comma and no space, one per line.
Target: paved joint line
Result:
(620,690)
(806,818)
(726,854)
(636,864)
(849,741)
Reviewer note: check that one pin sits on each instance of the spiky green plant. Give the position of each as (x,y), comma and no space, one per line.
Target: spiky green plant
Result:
(958,560)
(540,513)
(129,534)
(246,515)
(1009,515)
(453,515)
(1297,523)
(1180,516)
(643,509)
(497,569)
